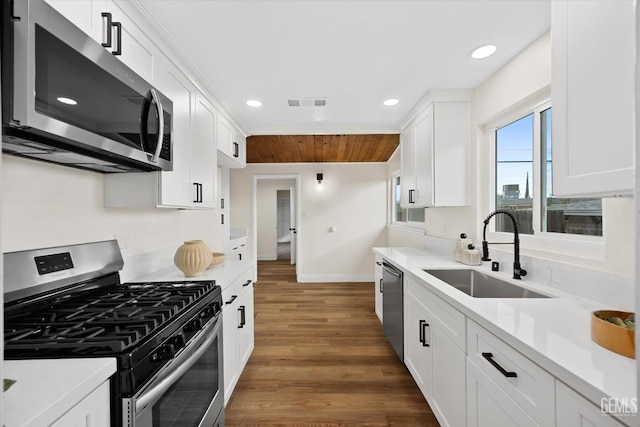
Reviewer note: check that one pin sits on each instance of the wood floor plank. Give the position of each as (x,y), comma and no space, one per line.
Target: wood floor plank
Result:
(321,360)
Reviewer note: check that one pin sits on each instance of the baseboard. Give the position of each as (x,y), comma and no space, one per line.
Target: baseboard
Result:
(267,257)
(332,278)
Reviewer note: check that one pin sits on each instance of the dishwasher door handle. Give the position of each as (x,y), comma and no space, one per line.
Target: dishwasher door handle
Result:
(392,271)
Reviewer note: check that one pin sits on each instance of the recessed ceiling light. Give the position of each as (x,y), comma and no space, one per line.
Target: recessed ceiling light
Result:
(391,101)
(254,103)
(483,51)
(67,101)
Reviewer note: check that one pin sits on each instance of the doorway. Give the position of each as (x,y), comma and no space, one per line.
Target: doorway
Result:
(275,218)
(283,227)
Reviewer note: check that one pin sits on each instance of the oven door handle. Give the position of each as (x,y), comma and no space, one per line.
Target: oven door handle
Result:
(162,384)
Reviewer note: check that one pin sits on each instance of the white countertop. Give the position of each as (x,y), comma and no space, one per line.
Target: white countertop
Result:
(223,274)
(555,333)
(47,388)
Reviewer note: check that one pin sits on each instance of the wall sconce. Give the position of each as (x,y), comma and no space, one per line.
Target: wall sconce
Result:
(319,178)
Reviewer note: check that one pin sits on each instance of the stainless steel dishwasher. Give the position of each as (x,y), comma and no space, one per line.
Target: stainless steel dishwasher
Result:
(392,311)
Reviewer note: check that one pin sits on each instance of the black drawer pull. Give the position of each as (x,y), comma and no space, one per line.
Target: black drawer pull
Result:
(247,283)
(233,298)
(489,357)
(108,42)
(423,333)
(243,320)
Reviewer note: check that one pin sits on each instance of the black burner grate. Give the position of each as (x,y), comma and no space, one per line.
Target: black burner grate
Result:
(100,321)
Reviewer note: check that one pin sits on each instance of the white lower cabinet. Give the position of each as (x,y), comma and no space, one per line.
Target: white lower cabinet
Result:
(92,411)
(526,384)
(573,410)
(488,405)
(378,287)
(435,362)
(237,329)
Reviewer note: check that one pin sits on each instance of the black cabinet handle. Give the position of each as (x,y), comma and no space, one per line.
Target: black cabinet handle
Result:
(378,263)
(233,298)
(243,319)
(200,185)
(222,219)
(197,192)
(381,285)
(489,357)
(247,283)
(411,196)
(236,149)
(118,50)
(108,27)
(239,257)
(423,333)
(221,203)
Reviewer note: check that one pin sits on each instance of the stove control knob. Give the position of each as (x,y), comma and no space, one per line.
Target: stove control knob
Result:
(193,326)
(169,352)
(178,341)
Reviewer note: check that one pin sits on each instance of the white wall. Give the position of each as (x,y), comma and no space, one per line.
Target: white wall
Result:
(523,78)
(267,216)
(50,205)
(353,201)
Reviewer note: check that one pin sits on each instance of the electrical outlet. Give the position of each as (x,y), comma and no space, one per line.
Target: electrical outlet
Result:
(123,242)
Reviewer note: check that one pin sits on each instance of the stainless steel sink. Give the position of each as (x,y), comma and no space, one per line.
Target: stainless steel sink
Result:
(480,285)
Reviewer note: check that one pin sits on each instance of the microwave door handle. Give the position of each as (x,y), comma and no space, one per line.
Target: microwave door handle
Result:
(156,99)
(162,385)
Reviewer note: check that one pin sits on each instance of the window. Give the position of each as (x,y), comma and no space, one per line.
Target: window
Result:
(523,181)
(402,216)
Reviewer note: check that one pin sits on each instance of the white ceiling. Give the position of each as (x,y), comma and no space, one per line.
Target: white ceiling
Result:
(353,53)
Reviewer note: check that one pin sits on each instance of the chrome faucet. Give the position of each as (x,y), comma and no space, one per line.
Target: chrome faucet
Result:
(518,272)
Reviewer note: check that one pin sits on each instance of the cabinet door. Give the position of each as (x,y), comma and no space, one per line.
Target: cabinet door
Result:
(407,166)
(92,411)
(239,146)
(86,15)
(423,129)
(225,137)
(449,380)
(176,186)
(417,338)
(229,334)
(593,97)
(573,410)
(489,406)
(137,50)
(245,324)
(378,288)
(204,154)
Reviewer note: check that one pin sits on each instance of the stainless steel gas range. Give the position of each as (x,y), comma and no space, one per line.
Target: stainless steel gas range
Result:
(68,302)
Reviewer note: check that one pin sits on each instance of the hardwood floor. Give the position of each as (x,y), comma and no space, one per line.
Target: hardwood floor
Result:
(321,360)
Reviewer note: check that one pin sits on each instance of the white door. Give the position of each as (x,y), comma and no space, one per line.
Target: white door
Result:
(292,221)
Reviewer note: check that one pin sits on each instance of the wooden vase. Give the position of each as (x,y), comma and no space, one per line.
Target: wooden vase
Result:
(193,258)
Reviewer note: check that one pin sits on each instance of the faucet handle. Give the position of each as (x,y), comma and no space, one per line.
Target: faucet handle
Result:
(485,251)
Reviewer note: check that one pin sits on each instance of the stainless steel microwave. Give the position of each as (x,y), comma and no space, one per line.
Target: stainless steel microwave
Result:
(66,99)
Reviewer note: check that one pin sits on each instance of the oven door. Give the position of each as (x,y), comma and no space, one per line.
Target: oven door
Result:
(188,391)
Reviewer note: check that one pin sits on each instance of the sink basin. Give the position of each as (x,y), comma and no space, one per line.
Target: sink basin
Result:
(480,285)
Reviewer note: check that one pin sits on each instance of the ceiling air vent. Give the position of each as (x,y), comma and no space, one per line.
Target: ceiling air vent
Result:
(308,102)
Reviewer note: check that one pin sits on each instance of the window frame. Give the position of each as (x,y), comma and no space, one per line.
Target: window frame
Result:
(571,244)
(392,222)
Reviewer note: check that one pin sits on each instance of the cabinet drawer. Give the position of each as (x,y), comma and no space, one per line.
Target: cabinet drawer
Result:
(530,386)
(450,321)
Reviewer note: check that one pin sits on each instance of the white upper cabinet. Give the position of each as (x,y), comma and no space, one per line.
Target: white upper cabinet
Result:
(232,145)
(434,155)
(593,71)
(86,15)
(131,44)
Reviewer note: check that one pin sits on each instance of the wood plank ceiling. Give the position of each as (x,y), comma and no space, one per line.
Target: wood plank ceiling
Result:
(321,148)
